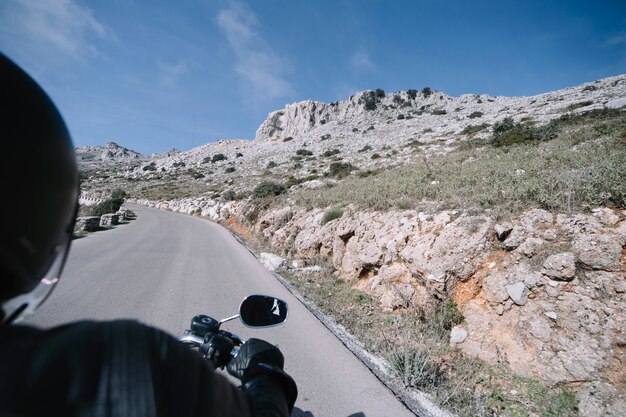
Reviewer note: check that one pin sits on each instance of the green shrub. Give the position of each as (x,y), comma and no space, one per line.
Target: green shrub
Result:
(229,195)
(118,194)
(229,170)
(365,148)
(150,167)
(340,169)
(416,367)
(304,152)
(206,160)
(267,189)
(218,157)
(110,205)
(400,116)
(375,156)
(355,129)
(426,91)
(238,155)
(271,164)
(473,129)
(476,114)
(412,94)
(331,214)
(195,174)
(331,152)
(439,112)
(178,164)
(288,138)
(590,88)
(380,93)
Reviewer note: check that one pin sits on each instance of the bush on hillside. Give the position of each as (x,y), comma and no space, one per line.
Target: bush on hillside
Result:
(426,91)
(331,214)
(341,169)
(412,94)
(268,189)
(218,157)
(110,205)
(304,152)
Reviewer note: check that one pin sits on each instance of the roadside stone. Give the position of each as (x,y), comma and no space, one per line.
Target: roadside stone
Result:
(272,262)
(298,263)
(551,314)
(499,309)
(561,266)
(606,216)
(518,293)
(508,304)
(598,251)
(315,269)
(87,224)
(108,220)
(530,246)
(515,238)
(457,335)
(503,230)
(494,288)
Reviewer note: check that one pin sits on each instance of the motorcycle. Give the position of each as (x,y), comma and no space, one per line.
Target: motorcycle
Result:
(220,346)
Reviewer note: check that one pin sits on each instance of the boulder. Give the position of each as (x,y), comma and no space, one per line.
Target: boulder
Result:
(518,293)
(272,262)
(598,251)
(560,266)
(457,335)
(87,224)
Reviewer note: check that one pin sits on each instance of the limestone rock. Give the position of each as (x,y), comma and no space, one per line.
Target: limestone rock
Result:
(457,335)
(502,230)
(560,266)
(518,293)
(598,251)
(516,237)
(272,262)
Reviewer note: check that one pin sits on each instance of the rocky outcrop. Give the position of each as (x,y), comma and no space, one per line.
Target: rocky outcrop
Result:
(110,152)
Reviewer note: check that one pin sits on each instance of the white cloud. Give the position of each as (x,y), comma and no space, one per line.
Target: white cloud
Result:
(169,74)
(255,61)
(361,61)
(59,26)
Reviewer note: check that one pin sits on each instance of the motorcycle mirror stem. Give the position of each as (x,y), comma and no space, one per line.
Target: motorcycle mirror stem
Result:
(236,316)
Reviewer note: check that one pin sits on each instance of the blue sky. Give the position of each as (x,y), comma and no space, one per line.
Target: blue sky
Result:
(152,75)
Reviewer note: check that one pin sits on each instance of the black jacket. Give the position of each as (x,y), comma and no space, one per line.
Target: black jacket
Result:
(120,368)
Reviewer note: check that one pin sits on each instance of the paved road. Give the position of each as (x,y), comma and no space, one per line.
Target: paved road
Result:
(164,268)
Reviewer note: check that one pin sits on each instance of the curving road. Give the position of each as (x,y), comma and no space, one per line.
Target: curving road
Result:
(163,268)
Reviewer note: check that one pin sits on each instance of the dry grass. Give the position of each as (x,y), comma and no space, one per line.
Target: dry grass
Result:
(415,343)
(579,169)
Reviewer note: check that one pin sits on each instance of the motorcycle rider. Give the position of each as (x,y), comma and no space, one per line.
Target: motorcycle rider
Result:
(119,368)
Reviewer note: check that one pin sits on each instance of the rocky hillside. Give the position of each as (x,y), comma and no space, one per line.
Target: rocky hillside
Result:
(111,152)
(512,208)
(372,131)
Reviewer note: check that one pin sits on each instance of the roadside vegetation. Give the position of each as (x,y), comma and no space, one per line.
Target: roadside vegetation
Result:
(414,341)
(573,163)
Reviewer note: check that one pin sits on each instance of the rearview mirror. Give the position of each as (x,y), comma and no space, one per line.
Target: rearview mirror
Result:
(262,311)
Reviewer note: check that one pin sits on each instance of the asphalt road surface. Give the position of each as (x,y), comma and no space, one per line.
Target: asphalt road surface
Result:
(163,268)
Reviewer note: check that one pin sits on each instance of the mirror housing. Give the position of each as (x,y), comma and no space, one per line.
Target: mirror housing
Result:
(262,311)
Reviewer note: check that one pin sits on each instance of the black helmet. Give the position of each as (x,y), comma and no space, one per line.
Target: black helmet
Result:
(39,186)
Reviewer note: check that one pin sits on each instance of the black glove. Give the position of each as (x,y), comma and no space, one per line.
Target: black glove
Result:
(258,358)
(218,348)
